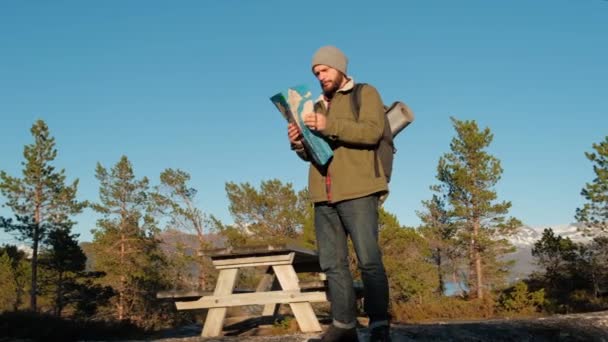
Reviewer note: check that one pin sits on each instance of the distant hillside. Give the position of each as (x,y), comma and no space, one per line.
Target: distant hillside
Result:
(524,242)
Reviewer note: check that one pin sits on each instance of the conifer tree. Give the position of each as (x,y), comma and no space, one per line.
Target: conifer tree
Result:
(40,198)
(8,290)
(440,233)
(468,175)
(17,277)
(125,245)
(177,200)
(594,213)
(406,255)
(64,261)
(275,213)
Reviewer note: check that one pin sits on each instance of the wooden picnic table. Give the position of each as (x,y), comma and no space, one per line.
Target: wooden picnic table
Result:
(279,285)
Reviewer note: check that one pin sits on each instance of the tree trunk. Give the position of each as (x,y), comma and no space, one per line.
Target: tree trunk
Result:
(36,240)
(479,273)
(458,283)
(477,256)
(202,277)
(471,276)
(33,288)
(59,296)
(121,289)
(439,273)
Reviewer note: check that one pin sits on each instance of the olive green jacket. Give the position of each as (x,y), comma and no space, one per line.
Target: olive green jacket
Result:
(354,169)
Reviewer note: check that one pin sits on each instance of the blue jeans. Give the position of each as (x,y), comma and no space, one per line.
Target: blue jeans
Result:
(357,218)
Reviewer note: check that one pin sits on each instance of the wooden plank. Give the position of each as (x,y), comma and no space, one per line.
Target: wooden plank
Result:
(313,286)
(182,294)
(269,282)
(232,252)
(305,315)
(279,259)
(194,293)
(215,317)
(254,298)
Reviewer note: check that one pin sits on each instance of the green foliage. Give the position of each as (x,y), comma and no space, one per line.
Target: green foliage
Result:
(444,308)
(126,248)
(15,271)
(84,296)
(308,237)
(273,214)
(41,193)
(39,199)
(518,300)
(598,265)
(64,254)
(472,218)
(63,261)
(555,255)
(175,200)
(594,213)
(8,290)
(574,275)
(440,232)
(284,325)
(411,277)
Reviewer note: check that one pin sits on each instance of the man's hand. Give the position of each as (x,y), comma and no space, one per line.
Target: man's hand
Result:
(295,137)
(315,121)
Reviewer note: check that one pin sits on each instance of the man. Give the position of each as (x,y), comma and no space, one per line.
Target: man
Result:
(345,193)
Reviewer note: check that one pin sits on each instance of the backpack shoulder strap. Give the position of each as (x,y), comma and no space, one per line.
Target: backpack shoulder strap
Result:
(355,99)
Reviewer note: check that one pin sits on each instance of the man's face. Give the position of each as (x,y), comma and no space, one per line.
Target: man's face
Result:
(329,78)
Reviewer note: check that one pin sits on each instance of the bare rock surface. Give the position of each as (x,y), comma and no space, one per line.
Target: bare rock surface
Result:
(575,327)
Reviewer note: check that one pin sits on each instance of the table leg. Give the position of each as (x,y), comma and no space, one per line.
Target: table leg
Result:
(305,315)
(215,317)
(268,283)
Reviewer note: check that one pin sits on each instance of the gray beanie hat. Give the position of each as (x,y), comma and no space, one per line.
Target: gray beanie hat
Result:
(332,57)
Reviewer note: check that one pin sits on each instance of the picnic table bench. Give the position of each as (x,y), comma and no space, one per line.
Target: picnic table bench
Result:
(279,285)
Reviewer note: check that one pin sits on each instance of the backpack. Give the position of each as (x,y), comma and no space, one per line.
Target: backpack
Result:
(397,117)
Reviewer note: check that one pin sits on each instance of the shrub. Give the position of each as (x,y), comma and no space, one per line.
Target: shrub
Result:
(43,327)
(443,308)
(517,300)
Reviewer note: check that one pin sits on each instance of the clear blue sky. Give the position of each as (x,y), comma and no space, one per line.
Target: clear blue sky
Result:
(186,84)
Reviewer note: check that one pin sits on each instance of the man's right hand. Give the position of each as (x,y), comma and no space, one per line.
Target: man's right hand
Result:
(295,137)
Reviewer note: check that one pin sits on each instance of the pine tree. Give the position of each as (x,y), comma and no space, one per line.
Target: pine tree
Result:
(308,237)
(125,245)
(412,277)
(8,290)
(440,233)
(63,261)
(468,175)
(39,199)
(176,199)
(275,213)
(15,277)
(556,256)
(594,213)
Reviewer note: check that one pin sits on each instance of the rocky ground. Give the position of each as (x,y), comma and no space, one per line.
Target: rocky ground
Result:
(576,327)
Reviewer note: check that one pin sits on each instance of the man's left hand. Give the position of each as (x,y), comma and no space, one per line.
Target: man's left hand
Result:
(315,121)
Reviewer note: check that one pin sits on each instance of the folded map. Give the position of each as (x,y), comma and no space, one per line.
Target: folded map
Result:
(293,103)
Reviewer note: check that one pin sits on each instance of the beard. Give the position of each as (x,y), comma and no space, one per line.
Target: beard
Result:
(330,88)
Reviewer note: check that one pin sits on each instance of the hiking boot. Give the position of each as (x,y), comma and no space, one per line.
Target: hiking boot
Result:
(380,334)
(335,334)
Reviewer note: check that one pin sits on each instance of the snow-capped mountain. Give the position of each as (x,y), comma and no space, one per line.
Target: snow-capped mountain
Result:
(524,241)
(27,250)
(527,236)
